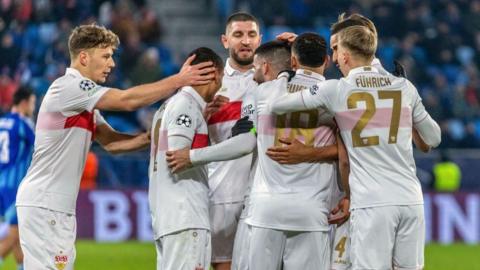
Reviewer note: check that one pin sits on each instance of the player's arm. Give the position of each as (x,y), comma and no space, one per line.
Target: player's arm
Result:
(233,148)
(419,142)
(428,130)
(341,212)
(294,152)
(318,96)
(139,96)
(116,142)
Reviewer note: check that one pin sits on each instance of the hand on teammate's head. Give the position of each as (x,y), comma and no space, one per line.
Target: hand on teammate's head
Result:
(287,37)
(199,74)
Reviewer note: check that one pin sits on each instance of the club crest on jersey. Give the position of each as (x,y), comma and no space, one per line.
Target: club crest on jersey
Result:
(87,85)
(61,261)
(314,89)
(184,120)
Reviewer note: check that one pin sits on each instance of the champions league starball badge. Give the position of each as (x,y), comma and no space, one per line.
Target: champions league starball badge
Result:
(87,85)
(184,120)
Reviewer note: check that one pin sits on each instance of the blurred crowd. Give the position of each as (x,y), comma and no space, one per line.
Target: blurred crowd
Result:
(438,41)
(34,51)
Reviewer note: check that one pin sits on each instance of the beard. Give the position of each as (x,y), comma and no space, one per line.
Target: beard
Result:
(241,61)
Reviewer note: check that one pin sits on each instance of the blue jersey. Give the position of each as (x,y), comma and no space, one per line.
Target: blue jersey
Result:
(16,147)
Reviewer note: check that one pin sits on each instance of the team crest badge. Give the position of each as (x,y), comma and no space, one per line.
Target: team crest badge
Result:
(61,261)
(87,85)
(314,89)
(184,120)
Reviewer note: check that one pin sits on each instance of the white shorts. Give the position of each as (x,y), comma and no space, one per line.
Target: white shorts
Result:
(223,222)
(241,246)
(184,250)
(274,250)
(47,238)
(386,236)
(341,247)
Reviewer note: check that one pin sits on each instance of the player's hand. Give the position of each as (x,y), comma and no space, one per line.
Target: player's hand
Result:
(399,70)
(293,152)
(287,37)
(243,125)
(215,105)
(340,213)
(179,160)
(198,74)
(287,73)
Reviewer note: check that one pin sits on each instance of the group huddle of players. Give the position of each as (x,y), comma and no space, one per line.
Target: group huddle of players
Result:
(273,195)
(256,163)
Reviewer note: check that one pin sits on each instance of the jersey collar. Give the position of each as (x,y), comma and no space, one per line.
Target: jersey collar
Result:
(310,74)
(73,71)
(362,70)
(192,92)
(230,71)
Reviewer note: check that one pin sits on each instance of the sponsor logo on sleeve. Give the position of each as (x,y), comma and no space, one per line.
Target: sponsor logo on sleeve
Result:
(314,90)
(184,120)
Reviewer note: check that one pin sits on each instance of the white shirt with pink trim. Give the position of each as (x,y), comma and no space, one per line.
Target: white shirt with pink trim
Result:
(291,197)
(64,132)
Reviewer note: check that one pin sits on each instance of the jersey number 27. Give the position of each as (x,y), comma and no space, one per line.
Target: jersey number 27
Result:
(370,109)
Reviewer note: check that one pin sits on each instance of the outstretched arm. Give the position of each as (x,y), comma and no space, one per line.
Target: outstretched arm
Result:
(139,96)
(232,148)
(115,142)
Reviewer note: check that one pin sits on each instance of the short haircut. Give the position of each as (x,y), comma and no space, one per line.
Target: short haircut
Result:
(359,40)
(241,17)
(311,49)
(23,93)
(352,20)
(90,36)
(204,54)
(277,53)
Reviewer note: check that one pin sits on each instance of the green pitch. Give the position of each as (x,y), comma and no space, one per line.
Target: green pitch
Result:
(139,256)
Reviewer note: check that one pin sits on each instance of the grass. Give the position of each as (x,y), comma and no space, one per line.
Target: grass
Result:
(140,256)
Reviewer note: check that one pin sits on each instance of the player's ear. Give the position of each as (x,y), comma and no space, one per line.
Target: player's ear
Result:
(83,58)
(224,40)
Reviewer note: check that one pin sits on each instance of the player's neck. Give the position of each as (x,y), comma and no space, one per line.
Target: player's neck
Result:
(203,91)
(16,109)
(319,70)
(81,69)
(238,67)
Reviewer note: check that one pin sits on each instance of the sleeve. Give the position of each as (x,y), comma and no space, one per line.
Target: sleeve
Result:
(81,94)
(99,120)
(232,148)
(182,121)
(427,128)
(249,106)
(320,95)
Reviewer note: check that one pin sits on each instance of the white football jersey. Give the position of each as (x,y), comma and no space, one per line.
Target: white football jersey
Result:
(178,201)
(291,197)
(64,132)
(375,114)
(228,180)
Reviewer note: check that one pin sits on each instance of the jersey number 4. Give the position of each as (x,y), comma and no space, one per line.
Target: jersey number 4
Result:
(4,146)
(370,109)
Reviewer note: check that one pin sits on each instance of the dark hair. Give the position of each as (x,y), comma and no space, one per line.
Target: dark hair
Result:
(311,49)
(241,17)
(277,53)
(204,54)
(23,93)
(352,20)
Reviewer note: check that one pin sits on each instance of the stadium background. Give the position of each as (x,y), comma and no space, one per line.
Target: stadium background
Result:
(437,41)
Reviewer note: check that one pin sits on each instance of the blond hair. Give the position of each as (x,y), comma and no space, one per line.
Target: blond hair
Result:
(90,36)
(359,40)
(345,21)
